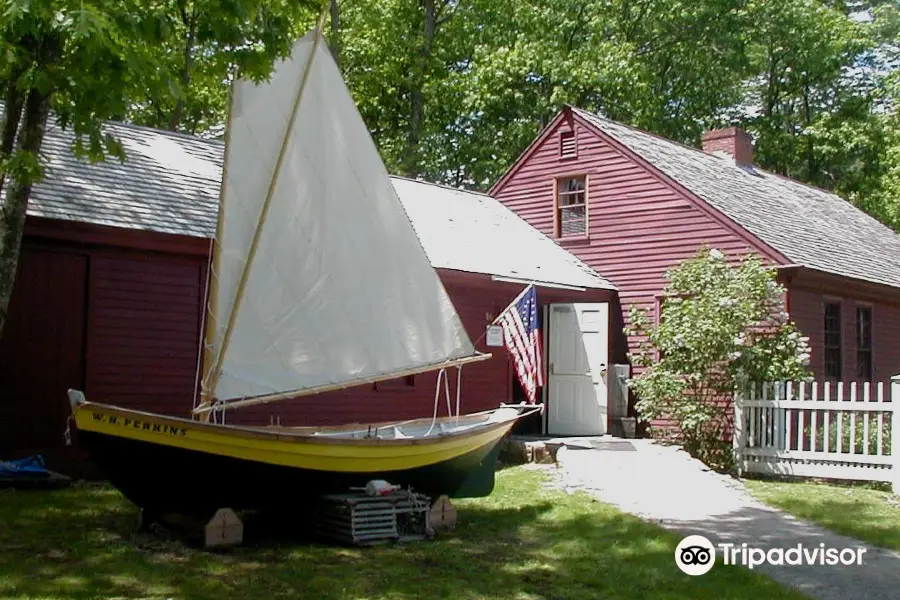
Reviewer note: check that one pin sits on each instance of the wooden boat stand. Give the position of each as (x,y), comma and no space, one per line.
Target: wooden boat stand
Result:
(352,518)
(223,529)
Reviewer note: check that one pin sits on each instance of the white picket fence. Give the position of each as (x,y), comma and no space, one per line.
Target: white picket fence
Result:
(814,429)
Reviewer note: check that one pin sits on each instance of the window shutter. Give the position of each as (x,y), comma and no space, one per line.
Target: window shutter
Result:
(833,341)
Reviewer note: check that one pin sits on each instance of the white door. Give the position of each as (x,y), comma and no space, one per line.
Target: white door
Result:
(577,394)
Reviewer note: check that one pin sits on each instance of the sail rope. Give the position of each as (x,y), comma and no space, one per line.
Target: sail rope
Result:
(442,374)
(217,414)
(67,434)
(458,387)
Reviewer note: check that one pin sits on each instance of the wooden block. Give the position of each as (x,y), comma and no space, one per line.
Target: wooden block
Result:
(442,514)
(224,529)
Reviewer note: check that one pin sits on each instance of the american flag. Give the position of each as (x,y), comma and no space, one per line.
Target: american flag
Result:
(523,339)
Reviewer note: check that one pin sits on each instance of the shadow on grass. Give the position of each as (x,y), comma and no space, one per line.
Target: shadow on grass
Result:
(524,541)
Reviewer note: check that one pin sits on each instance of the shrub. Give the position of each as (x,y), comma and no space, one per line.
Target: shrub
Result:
(720,326)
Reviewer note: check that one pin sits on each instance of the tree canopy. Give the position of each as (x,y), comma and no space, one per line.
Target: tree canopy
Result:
(454,90)
(160,62)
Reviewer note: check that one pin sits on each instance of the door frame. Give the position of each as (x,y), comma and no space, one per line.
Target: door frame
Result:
(545,334)
(545,360)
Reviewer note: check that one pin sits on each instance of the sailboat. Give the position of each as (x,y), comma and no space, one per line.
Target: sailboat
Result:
(318,282)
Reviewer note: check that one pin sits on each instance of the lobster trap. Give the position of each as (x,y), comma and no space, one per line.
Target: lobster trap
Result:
(363,520)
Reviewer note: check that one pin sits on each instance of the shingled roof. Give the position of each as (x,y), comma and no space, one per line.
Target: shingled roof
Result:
(170,184)
(808,226)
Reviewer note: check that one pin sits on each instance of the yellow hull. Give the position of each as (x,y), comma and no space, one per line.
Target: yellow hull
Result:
(325,449)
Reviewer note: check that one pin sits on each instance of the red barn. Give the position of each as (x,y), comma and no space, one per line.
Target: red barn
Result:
(110,288)
(631,205)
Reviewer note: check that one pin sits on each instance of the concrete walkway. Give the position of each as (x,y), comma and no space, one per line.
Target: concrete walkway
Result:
(665,485)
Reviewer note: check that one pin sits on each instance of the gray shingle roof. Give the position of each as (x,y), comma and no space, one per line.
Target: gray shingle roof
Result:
(170,184)
(809,226)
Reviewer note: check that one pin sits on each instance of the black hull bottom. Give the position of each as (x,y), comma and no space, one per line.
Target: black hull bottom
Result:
(164,479)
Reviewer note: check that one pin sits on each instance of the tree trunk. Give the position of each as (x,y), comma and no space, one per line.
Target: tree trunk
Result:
(410,162)
(12,115)
(807,117)
(335,44)
(12,213)
(190,21)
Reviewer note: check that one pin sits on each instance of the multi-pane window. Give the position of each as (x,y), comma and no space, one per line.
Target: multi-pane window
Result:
(571,206)
(832,340)
(863,343)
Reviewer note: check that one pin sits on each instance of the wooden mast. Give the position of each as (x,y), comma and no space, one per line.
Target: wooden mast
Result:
(216,370)
(209,331)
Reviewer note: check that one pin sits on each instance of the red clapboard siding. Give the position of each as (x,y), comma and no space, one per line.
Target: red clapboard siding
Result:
(144,332)
(885,336)
(808,314)
(640,224)
(808,295)
(41,352)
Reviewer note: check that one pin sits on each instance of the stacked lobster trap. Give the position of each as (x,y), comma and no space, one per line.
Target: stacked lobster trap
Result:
(364,520)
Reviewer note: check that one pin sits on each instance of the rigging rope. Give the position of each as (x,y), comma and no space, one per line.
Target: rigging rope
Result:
(458,387)
(67,434)
(437,396)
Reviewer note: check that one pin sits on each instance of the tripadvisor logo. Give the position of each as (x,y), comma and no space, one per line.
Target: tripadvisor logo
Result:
(695,555)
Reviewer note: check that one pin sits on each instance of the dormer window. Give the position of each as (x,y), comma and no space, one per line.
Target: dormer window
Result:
(567,145)
(571,206)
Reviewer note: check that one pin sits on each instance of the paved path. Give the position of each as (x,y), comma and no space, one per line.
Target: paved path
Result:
(665,485)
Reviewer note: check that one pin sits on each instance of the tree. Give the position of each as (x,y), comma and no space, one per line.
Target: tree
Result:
(884,201)
(394,55)
(88,60)
(454,91)
(79,56)
(662,66)
(720,327)
(815,96)
(205,43)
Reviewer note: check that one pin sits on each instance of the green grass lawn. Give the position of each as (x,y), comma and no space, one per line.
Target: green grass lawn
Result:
(858,512)
(525,542)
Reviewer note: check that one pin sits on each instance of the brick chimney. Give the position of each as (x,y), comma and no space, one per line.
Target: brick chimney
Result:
(733,140)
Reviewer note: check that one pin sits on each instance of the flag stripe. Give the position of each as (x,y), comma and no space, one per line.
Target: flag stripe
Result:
(522,338)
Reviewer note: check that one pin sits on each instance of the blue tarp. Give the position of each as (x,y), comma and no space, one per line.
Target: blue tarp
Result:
(24,468)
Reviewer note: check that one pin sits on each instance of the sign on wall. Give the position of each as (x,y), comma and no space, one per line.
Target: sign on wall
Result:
(494,336)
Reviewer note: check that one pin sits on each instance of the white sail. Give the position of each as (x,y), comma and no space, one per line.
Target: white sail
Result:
(340,289)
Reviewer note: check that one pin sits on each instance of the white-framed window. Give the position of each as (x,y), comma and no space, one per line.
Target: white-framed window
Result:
(571,206)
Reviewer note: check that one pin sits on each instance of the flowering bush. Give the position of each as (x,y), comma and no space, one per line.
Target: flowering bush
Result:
(720,327)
